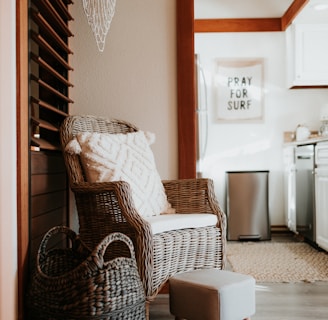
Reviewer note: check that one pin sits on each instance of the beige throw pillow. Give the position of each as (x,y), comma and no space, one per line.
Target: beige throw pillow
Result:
(127,157)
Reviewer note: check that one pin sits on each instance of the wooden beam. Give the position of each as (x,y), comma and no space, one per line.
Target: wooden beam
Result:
(185,61)
(186,91)
(238,25)
(251,24)
(291,13)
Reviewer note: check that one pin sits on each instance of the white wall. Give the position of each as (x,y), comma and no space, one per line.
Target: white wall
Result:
(8,209)
(134,79)
(233,147)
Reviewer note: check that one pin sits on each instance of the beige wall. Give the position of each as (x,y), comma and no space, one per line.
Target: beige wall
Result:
(134,79)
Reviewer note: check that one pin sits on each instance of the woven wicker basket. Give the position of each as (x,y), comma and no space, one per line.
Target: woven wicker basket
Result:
(75,283)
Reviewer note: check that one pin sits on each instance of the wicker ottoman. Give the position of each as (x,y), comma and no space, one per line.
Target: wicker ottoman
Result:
(212,294)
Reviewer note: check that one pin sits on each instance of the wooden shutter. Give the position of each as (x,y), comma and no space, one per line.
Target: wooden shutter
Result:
(49,104)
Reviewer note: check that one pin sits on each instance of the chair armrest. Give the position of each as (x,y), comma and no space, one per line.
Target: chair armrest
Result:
(194,196)
(108,207)
(112,199)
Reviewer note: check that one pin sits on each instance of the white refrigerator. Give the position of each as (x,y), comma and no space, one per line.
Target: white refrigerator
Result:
(201,110)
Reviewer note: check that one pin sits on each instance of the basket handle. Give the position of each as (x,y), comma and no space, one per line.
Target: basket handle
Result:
(53,231)
(99,252)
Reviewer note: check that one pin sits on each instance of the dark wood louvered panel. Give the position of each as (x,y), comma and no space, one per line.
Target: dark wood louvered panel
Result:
(41,204)
(47,67)
(39,226)
(43,44)
(62,8)
(52,108)
(51,90)
(47,162)
(49,105)
(53,17)
(49,71)
(47,183)
(49,32)
(48,196)
(38,144)
(44,124)
(48,178)
(43,223)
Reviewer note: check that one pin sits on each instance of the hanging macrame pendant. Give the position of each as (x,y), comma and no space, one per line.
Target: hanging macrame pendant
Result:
(99,14)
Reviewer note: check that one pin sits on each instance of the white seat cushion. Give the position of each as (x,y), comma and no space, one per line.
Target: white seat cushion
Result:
(168,222)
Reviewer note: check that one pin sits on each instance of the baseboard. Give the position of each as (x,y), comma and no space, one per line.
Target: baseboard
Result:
(280,229)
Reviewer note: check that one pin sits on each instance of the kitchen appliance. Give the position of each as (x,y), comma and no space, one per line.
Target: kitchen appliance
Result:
(321,192)
(290,187)
(247,205)
(324,129)
(201,114)
(305,218)
(302,132)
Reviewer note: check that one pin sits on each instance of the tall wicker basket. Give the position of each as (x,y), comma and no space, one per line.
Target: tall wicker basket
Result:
(75,283)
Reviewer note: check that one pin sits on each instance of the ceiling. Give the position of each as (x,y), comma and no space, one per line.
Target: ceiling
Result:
(238,9)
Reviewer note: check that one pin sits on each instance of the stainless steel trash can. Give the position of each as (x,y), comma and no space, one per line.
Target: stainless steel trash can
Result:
(247,205)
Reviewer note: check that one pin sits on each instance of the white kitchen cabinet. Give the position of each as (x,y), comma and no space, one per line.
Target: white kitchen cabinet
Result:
(321,203)
(307,55)
(290,187)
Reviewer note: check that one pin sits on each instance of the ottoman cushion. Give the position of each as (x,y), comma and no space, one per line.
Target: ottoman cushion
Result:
(212,294)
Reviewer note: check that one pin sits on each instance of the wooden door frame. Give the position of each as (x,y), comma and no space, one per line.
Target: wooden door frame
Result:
(186,91)
(22,149)
(186,27)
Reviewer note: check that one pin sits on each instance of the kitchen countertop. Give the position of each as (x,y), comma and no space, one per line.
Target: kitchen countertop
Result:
(311,140)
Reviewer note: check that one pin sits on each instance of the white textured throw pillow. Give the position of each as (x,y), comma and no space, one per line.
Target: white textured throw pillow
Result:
(112,157)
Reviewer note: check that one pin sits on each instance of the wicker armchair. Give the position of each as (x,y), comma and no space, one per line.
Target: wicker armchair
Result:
(107,207)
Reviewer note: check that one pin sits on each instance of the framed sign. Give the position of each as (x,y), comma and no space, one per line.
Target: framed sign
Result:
(239,88)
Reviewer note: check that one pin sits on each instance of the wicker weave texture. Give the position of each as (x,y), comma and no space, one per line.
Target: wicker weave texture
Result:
(75,283)
(108,207)
(184,250)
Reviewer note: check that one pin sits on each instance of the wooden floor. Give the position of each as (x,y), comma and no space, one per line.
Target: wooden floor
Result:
(283,301)
(273,302)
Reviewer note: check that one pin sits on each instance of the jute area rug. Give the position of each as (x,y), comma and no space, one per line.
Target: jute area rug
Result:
(278,261)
